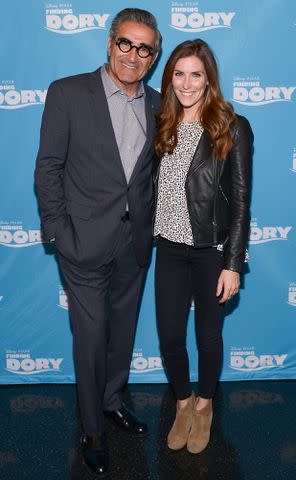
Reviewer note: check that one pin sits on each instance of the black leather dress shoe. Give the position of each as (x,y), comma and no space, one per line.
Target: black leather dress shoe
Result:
(128,421)
(95,454)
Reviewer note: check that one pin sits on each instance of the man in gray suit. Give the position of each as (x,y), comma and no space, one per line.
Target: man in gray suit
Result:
(93,179)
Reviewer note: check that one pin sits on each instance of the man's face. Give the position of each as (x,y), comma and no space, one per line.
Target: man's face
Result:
(127,69)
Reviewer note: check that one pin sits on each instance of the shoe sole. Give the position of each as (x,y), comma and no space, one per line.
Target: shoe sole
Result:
(125,430)
(132,434)
(98,475)
(176,449)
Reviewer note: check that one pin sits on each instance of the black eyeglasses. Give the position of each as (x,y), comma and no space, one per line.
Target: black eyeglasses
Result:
(125,46)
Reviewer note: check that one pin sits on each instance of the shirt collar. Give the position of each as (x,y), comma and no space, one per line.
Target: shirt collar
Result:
(111,88)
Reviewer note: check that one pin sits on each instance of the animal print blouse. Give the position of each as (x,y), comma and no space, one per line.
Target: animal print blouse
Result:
(172,218)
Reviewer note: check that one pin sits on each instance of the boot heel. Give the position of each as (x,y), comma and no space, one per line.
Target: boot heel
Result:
(199,435)
(178,435)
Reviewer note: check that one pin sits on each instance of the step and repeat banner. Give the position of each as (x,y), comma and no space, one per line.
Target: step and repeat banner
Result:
(254,43)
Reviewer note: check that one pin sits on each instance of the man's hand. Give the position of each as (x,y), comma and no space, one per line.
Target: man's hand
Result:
(228,283)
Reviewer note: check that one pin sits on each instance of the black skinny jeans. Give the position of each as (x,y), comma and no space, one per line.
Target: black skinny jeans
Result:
(183,272)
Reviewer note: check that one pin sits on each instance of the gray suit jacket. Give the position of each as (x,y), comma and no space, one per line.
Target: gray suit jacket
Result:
(80,181)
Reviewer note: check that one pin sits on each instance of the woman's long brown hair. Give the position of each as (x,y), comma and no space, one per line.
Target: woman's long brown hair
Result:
(216,114)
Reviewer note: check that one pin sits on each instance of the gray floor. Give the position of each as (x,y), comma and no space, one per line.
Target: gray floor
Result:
(253,435)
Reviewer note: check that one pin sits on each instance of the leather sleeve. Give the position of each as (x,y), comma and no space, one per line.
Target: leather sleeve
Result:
(52,154)
(241,163)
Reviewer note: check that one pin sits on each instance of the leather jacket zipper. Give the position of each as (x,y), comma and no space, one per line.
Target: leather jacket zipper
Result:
(226,199)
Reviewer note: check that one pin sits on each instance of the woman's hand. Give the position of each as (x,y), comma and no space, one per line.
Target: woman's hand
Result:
(228,283)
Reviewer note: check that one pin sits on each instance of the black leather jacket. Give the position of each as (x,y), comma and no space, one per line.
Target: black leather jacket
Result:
(218,194)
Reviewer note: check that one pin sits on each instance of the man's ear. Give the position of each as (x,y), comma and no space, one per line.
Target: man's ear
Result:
(109,45)
(153,59)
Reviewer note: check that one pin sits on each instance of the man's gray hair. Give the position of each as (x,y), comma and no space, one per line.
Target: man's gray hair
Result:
(136,15)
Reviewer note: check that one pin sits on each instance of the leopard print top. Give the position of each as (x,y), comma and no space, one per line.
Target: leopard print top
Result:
(172,217)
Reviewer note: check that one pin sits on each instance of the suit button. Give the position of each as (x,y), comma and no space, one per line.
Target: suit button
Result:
(125,217)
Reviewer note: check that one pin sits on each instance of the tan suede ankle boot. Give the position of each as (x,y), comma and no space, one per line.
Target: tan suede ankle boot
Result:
(178,436)
(199,435)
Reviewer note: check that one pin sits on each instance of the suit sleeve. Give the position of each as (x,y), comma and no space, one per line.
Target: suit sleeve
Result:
(51,159)
(241,163)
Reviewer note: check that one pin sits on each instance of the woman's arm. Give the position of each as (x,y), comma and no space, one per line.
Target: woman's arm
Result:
(241,162)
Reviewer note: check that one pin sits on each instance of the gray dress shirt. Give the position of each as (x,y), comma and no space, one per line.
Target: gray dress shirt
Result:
(128,119)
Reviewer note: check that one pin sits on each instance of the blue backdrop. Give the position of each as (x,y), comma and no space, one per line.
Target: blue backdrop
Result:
(254,43)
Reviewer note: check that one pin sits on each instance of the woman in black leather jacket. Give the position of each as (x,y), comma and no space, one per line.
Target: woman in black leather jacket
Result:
(201,224)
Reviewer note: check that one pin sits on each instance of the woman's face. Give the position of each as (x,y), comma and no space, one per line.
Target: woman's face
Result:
(189,83)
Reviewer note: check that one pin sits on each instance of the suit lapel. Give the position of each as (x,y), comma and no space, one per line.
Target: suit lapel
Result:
(103,121)
(150,111)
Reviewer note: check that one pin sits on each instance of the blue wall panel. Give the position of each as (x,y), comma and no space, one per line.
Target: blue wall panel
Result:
(253,44)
